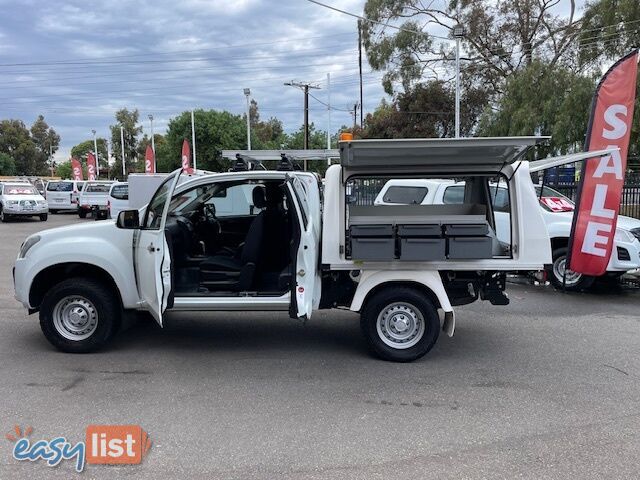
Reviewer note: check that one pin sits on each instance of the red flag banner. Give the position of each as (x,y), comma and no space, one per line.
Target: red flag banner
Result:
(91,167)
(149,161)
(602,178)
(186,157)
(76,169)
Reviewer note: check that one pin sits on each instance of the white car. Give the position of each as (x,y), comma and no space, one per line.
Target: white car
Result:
(63,194)
(118,199)
(94,198)
(21,199)
(557,212)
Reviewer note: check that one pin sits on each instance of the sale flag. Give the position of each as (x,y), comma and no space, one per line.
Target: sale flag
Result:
(186,157)
(77,169)
(149,161)
(602,178)
(91,167)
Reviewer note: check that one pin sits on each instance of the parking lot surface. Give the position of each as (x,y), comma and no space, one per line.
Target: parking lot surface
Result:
(547,387)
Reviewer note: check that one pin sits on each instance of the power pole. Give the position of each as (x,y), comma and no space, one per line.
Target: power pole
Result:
(360,68)
(355,115)
(305,88)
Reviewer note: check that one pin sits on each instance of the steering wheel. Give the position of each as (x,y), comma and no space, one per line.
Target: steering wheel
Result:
(209,212)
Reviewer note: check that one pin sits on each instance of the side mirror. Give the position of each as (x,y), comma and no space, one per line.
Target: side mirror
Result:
(128,219)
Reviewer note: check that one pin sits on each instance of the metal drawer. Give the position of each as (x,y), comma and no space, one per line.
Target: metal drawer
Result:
(429,230)
(470,247)
(371,248)
(371,230)
(422,249)
(466,230)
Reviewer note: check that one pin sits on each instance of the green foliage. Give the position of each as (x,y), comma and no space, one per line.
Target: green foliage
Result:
(215,131)
(129,121)
(7,165)
(81,150)
(15,140)
(544,100)
(64,170)
(46,141)
(609,30)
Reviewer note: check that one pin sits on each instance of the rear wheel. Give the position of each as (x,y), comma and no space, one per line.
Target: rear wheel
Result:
(53,211)
(574,282)
(400,324)
(80,315)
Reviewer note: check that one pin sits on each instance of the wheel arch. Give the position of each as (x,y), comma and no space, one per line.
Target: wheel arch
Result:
(428,283)
(51,275)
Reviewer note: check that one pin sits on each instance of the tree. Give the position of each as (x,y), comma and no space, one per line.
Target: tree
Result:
(16,141)
(609,30)
(215,131)
(500,38)
(7,165)
(64,170)
(545,100)
(81,151)
(46,141)
(265,135)
(129,121)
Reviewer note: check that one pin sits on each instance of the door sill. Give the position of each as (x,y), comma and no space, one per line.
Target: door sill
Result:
(234,303)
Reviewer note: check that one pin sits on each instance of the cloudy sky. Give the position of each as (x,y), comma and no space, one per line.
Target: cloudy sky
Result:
(77,62)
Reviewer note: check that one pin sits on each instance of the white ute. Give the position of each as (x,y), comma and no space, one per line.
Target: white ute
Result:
(403,267)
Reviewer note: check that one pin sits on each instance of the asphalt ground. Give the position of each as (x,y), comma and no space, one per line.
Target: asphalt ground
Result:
(547,387)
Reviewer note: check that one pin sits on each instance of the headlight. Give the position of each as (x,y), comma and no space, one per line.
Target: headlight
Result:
(26,246)
(635,232)
(623,236)
(42,202)
(12,202)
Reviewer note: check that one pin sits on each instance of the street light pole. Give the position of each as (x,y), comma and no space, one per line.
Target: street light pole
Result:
(247,93)
(124,172)
(153,142)
(193,139)
(458,33)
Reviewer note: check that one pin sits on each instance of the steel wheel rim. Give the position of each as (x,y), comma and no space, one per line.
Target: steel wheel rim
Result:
(400,325)
(75,318)
(559,266)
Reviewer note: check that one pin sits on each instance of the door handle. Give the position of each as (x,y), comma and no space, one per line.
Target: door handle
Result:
(151,248)
(301,273)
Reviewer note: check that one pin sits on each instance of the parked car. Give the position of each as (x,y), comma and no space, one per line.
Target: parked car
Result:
(557,212)
(93,199)
(63,194)
(21,199)
(118,199)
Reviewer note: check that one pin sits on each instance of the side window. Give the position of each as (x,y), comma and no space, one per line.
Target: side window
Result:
(301,195)
(153,216)
(120,192)
(454,195)
(405,194)
(500,199)
(234,201)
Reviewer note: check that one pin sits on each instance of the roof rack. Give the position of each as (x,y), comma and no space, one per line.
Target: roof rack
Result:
(246,163)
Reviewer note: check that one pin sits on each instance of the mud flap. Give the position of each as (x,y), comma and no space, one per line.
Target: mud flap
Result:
(449,324)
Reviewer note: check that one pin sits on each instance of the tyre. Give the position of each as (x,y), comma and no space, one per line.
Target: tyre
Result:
(400,324)
(80,315)
(574,282)
(53,212)
(3,217)
(44,217)
(82,213)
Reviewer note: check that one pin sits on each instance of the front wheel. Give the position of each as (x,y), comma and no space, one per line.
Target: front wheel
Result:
(574,282)
(400,324)
(43,217)
(3,216)
(82,213)
(80,315)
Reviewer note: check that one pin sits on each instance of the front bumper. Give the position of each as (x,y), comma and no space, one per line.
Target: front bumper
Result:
(20,284)
(20,210)
(625,256)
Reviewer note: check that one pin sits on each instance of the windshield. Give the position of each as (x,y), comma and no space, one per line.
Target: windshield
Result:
(19,190)
(553,201)
(59,186)
(97,188)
